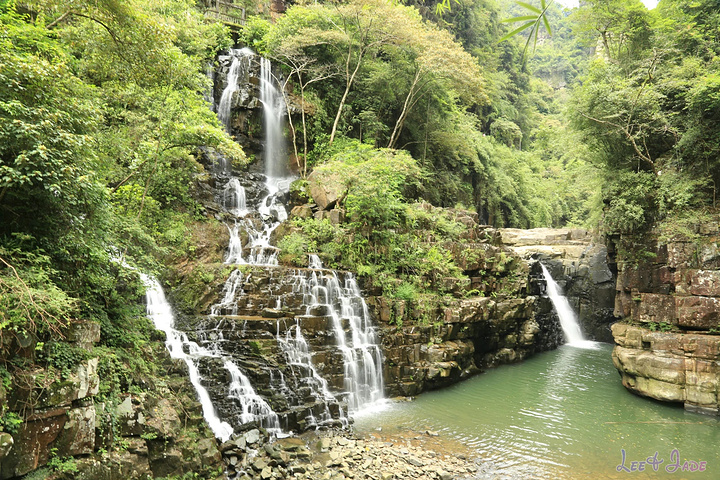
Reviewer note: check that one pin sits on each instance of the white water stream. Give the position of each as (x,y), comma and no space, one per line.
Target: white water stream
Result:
(239,66)
(160,312)
(568,319)
(354,333)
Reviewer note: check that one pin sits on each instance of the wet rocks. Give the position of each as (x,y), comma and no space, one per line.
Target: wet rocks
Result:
(579,263)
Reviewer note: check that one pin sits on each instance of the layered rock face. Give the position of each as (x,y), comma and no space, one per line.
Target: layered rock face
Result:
(580,265)
(672,367)
(62,419)
(498,314)
(669,296)
(59,411)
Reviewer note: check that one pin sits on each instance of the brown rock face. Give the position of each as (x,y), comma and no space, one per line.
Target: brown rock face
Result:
(579,264)
(674,288)
(677,284)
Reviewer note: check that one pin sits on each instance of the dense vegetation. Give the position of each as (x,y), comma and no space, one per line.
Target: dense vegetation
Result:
(648,110)
(101,112)
(612,121)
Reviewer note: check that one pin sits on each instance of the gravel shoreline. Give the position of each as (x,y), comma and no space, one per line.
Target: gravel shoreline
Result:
(339,454)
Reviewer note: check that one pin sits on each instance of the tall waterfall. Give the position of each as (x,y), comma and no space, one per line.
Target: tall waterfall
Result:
(160,312)
(273,113)
(568,319)
(259,221)
(252,212)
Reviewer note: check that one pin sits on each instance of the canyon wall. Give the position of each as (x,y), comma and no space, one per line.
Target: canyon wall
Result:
(669,297)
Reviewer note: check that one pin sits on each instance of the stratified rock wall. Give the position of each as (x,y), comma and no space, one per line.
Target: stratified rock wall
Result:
(672,367)
(58,411)
(669,297)
(467,335)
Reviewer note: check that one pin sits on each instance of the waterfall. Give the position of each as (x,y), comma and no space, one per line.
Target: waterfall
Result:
(239,67)
(234,198)
(177,343)
(568,320)
(228,306)
(273,111)
(314,262)
(251,218)
(362,357)
(296,350)
(270,209)
(253,407)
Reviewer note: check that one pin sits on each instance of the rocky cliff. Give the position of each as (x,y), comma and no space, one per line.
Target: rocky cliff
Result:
(668,294)
(68,432)
(580,265)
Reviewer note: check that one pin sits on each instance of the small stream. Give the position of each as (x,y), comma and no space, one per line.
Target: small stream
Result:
(560,414)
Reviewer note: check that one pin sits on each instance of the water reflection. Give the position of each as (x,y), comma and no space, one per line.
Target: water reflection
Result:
(562,414)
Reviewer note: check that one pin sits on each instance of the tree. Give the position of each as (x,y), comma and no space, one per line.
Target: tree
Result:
(619,28)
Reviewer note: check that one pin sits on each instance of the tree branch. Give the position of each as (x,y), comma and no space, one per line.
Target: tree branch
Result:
(643,156)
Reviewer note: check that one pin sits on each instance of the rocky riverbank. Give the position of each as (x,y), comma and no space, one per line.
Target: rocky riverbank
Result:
(336,454)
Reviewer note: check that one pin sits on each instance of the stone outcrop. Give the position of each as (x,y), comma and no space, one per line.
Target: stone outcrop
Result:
(326,189)
(669,296)
(470,334)
(158,428)
(672,367)
(580,265)
(57,410)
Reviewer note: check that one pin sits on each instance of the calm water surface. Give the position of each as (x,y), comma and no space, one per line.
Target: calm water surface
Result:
(561,414)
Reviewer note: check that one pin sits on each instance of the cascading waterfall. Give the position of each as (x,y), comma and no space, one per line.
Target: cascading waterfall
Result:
(299,358)
(239,66)
(253,223)
(252,406)
(362,357)
(314,262)
(568,320)
(160,312)
(231,289)
(271,211)
(234,198)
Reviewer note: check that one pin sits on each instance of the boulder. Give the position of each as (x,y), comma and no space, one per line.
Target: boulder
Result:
(326,189)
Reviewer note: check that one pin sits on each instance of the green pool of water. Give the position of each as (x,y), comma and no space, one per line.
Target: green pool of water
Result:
(561,414)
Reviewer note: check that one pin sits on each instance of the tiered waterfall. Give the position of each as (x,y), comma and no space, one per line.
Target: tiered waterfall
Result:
(287,349)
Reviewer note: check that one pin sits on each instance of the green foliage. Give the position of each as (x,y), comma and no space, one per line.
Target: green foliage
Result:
(62,356)
(31,305)
(406,291)
(535,17)
(61,464)
(628,202)
(660,326)
(253,33)
(647,109)
(10,422)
